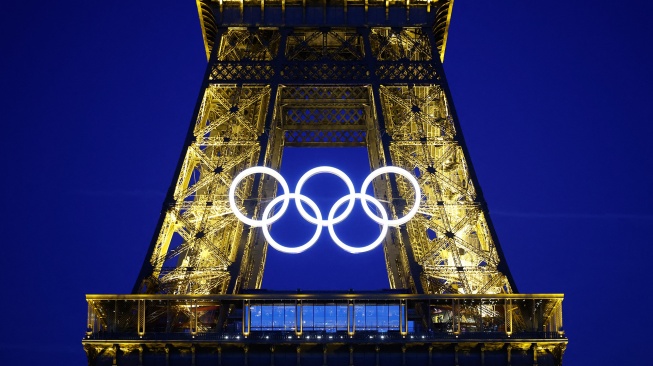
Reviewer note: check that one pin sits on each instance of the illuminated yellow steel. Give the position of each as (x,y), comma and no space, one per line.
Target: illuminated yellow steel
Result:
(351,321)
(141,318)
(508,307)
(247,318)
(299,318)
(209,24)
(201,248)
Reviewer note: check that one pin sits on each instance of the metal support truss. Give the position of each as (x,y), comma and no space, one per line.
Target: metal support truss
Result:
(377,83)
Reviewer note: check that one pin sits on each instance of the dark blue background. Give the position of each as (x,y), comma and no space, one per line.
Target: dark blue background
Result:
(554,99)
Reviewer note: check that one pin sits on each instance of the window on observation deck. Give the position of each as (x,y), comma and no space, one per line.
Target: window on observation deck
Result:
(325,317)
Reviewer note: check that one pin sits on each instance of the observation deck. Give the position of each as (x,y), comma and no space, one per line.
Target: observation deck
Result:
(326,328)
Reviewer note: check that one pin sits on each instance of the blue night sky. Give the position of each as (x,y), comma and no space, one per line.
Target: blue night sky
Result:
(554,99)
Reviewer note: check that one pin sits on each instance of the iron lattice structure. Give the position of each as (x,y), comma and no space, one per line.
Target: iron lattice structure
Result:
(342,73)
(324,73)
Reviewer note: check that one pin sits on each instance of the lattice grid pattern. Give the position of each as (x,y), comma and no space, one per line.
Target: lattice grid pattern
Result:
(334,45)
(325,72)
(450,237)
(333,138)
(200,236)
(249,45)
(403,44)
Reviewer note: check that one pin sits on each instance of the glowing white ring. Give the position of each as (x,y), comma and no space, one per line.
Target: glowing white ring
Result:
(266,221)
(363,197)
(241,176)
(266,230)
(340,174)
(411,179)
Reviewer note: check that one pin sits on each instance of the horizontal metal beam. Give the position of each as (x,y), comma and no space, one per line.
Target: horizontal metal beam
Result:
(272,295)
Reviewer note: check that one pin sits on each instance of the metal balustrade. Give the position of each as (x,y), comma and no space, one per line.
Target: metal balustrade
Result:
(324,317)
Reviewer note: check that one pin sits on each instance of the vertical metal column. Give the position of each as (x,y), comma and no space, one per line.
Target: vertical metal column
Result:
(90,319)
(246,318)
(141,318)
(193,318)
(351,321)
(403,318)
(299,318)
(397,253)
(247,273)
(455,316)
(508,316)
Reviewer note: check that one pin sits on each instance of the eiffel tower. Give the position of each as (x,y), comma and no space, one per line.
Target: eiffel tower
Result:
(337,73)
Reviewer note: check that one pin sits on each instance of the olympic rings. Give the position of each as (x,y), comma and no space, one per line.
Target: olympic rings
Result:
(339,174)
(301,248)
(411,179)
(331,219)
(241,176)
(363,197)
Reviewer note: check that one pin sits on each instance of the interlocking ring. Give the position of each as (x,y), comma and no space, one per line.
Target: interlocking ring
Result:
(331,219)
(241,176)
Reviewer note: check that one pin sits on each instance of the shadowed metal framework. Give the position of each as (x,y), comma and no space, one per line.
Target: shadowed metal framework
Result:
(309,73)
(348,73)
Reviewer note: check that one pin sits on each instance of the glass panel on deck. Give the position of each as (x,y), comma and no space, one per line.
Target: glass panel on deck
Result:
(393,317)
(255,317)
(290,321)
(307,317)
(318,317)
(330,318)
(278,317)
(341,318)
(370,317)
(359,316)
(266,317)
(382,317)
